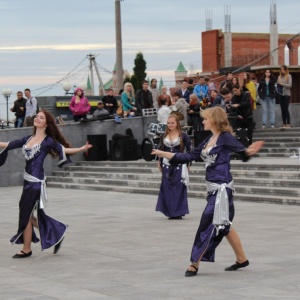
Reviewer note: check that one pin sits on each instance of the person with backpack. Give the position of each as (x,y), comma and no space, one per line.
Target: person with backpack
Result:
(31,108)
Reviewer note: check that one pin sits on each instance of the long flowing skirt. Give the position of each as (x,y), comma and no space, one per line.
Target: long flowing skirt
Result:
(207,240)
(172,198)
(51,230)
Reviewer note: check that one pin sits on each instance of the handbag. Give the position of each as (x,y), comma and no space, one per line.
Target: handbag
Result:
(119,111)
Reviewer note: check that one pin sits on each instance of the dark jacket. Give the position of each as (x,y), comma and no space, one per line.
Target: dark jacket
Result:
(243,100)
(110,100)
(143,100)
(262,88)
(16,108)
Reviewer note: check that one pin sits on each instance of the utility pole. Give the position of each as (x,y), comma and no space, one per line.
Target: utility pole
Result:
(119,55)
(91,58)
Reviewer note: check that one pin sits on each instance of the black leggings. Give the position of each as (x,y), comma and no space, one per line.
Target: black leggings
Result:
(284,104)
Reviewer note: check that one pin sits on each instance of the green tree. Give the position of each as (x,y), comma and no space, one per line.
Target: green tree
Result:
(139,69)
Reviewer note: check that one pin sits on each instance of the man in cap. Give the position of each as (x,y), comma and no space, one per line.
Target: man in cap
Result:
(100,111)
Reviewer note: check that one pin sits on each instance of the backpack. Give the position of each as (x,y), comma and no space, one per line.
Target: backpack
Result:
(37,106)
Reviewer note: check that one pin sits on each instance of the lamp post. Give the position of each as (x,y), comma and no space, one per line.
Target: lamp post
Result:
(6,93)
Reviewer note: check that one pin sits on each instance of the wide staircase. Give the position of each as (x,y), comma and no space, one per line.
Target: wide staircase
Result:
(272,176)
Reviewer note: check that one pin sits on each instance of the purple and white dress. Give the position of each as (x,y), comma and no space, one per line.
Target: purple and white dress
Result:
(219,211)
(34,194)
(172,198)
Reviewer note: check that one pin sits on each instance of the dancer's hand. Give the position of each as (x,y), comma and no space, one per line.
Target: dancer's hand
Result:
(254,148)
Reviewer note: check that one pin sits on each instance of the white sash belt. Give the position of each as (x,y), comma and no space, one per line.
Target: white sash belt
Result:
(221,212)
(43,197)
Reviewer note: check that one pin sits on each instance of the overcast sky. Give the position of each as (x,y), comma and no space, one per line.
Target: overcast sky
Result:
(42,41)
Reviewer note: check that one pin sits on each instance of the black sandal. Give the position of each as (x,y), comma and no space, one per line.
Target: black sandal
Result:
(237,265)
(23,255)
(189,273)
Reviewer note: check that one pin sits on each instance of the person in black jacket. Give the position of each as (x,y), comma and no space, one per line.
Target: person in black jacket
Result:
(19,109)
(266,92)
(240,101)
(143,98)
(110,102)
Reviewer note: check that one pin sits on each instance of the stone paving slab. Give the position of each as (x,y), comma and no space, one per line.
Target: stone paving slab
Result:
(118,247)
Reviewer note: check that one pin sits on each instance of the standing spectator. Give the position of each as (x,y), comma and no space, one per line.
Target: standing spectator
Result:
(266,92)
(31,108)
(165,96)
(19,109)
(190,86)
(211,86)
(172,198)
(181,107)
(100,111)
(285,80)
(154,91)
(220,100)
(144,98)
(248,85)
(213,95)
(79,105)
(185,93)
(258,100)
(163,112)
(194,113)
(110,102)
(235,81)
(201,89)
(227,82)
(128,101)
(242,103)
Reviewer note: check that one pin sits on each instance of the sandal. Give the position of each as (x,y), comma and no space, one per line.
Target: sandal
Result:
(23,255)
(189,273)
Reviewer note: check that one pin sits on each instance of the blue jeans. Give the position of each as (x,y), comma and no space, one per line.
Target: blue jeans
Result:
(19,122)
(268,108)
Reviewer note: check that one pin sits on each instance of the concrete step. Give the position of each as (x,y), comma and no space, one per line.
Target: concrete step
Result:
(193,186)
(241,176)
(286,199)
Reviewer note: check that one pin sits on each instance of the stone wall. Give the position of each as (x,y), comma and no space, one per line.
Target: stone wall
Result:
(11,174)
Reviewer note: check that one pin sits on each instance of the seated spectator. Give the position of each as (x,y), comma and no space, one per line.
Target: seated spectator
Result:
(100,111)
(110,102)
(128,101)
(164,112)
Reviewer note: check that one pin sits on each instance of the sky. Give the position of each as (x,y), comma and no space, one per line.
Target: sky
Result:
(42,41)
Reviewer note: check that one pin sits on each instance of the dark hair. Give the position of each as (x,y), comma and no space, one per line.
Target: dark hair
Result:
(19,92)
(177,94)
(183,81)
(224,91)
(201,76)
(163,101)
(236,86)
(153,80)
(110,90)
(227,73)
(27,90)
(253,78)
(145,81)
(52,131)
(206,78)
(191,81)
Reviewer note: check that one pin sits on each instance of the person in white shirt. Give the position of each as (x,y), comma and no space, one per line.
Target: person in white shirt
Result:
(164,112)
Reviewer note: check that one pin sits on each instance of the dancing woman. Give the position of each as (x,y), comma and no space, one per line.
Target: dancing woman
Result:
(218,214)
(46,139)
(172,198)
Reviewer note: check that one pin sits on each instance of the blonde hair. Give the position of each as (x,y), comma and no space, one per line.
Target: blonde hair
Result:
(130,95)
(218,118)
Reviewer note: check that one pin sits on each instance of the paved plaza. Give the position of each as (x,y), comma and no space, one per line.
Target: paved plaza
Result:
(118,247)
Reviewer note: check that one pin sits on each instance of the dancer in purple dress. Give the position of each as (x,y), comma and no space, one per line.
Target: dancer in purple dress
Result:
(218,214)
(45,140)
(172,198)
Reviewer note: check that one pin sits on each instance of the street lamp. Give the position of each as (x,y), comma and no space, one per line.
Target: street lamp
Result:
(6,93)
(67,86)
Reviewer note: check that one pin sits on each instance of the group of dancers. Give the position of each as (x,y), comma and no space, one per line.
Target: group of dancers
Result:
(215,222)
